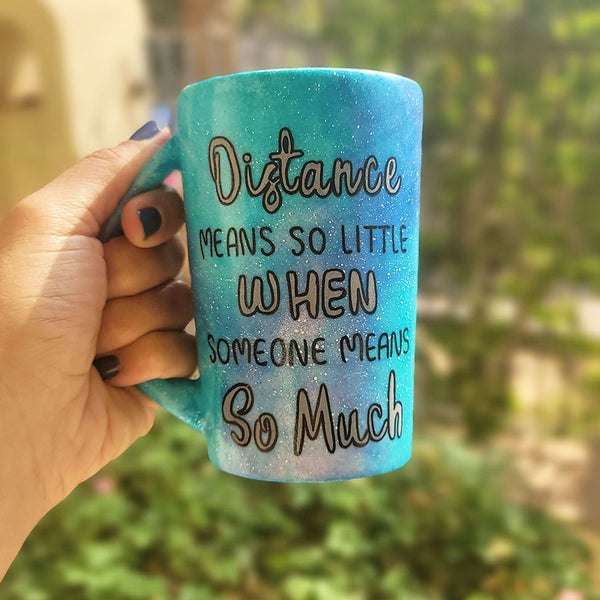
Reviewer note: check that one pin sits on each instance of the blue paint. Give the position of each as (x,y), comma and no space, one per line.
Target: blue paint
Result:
(332,116)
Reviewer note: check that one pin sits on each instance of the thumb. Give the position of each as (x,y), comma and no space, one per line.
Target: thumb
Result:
(79,200)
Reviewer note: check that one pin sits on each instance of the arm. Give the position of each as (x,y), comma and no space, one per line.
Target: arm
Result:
(82,323)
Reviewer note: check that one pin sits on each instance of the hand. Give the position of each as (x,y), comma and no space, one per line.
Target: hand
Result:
(66,299)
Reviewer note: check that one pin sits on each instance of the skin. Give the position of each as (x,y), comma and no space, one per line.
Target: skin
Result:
(66,298)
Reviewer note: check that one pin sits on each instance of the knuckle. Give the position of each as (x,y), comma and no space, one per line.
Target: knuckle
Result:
(115,323)
(169,354)
(24,215)
(155,358)
(180,299)
(178,290)
(121,281)
(115,259)
(176,254)
(111,159)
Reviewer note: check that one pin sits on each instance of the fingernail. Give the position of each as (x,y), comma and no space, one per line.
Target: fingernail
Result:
(108,366)
(150,219)
(146,131)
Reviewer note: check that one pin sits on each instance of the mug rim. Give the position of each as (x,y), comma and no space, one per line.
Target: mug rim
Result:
(303,70)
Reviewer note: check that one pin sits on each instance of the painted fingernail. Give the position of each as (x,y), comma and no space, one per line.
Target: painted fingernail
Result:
(150,219)
(108,366)
(146,131)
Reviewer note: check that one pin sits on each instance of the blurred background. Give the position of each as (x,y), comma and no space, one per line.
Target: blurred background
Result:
(502,497)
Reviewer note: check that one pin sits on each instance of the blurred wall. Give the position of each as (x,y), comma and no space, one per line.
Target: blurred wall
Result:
(73,78)
(191,40)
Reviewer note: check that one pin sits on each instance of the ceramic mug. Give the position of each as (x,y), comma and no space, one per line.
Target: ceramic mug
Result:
(301,195)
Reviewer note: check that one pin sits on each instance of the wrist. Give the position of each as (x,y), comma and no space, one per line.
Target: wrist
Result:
(22,498)
(16,523)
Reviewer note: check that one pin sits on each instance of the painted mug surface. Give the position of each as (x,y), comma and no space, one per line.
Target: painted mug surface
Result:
(301,196)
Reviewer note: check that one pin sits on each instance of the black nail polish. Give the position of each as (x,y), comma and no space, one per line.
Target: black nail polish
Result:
(108,366)
(146,131)
(151,220)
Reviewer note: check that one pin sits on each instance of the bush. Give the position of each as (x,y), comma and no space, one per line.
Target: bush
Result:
(162,522)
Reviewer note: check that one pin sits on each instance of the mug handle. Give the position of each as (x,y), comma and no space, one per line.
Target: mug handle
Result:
(179,396)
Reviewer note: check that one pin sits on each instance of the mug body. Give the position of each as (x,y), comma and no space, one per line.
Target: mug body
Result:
(302,204)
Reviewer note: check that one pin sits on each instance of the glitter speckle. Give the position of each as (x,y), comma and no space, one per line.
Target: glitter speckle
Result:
(322,110)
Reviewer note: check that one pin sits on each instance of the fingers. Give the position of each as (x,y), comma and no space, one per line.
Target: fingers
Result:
(79,200)
(158,354)
(167,307)
(131,270)
(141,335)
(152,218)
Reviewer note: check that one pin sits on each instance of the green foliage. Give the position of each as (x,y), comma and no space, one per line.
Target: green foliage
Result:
(163,523)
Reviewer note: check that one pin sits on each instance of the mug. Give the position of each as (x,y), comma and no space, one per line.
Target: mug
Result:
(301,195)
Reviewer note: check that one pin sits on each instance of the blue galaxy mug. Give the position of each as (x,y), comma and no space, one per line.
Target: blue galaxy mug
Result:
(301,195)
